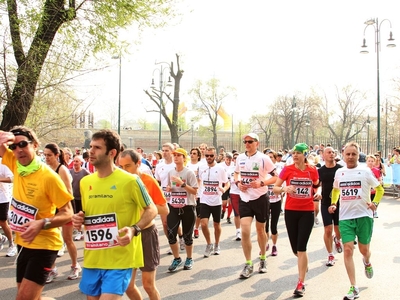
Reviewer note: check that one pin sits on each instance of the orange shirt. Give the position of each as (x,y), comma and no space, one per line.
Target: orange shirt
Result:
(153,188)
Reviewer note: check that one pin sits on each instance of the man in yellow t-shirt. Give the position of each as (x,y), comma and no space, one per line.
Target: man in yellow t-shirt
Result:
(112,203)
(37,192)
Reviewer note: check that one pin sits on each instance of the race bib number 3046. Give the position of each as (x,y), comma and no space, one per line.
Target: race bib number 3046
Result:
(101,231)
(21,213)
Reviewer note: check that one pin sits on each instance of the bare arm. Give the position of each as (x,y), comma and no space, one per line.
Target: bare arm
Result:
(66,178)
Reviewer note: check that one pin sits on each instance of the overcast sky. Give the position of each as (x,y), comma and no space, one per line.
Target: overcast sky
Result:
(264,49)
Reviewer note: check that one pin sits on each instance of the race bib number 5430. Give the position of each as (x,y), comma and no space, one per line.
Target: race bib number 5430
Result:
(101,231)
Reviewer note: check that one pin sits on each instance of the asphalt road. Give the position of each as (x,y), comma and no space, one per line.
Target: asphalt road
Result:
(217,277)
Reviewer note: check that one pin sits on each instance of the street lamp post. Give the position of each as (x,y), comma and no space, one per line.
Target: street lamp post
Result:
(307,125)
(119,92)
(162,88)
(377,27)
(368,124)
(293,115)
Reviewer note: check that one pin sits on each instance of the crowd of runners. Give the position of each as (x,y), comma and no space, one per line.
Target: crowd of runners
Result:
(109,196)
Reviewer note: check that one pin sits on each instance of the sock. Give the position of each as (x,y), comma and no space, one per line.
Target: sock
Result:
(249,262)
(263,256)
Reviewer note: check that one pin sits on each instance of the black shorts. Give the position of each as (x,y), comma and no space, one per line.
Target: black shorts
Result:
(225,195)
(151,249)
(207,210)
(35,264)
(77,206)
(328,218)
(255,208)
(4,207)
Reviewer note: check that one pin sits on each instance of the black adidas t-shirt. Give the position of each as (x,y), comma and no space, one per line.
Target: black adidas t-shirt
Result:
(326,177)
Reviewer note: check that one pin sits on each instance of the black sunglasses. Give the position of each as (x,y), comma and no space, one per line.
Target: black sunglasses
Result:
(21,144)
(209,155)
(248,142)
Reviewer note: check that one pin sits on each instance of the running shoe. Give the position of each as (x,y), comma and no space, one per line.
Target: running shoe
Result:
(74,273)
(228,220)
(188,264)
(247,271)
(52,275)
(61,251)
(217,249)
(169,251)
(375,214)
(316,221)
(2,241)
(222,214)
(331,261)
(300,289)
(274,251)
(12,251)
(78,236)
(262,268)
(196,233)
(353,293)
(238,235)
(209,249)
(338,244)
(176,263)
(369,272)
(182,243)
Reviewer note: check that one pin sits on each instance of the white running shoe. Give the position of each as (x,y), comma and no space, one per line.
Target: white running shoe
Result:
(61,251)
(52,275)
(238,235)
(74,273)
(2,241)
(12,251)
(78,236)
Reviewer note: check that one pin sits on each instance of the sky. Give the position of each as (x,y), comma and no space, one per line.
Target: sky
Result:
(265,49)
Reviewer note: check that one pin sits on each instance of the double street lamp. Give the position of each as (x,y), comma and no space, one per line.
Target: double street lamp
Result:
(377,27)
(162,87)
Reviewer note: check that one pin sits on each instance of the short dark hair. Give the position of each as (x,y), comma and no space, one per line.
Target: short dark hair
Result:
(197,149)
(111,139)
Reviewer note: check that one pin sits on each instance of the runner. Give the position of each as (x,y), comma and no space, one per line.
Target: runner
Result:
(130,161)
(251,173)
(214,183)
(37,192)
(116,206)
(353,184)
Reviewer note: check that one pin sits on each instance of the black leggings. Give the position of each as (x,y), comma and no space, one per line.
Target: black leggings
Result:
(299,225)
(188,217)
(274,213)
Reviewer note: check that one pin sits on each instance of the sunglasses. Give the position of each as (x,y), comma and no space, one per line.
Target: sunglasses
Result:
(21,144)
(209,155)
(248,142)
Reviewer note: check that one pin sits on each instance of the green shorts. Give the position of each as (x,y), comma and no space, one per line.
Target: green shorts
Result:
(360,227)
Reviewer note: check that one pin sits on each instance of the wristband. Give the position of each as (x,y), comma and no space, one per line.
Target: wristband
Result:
(237,182)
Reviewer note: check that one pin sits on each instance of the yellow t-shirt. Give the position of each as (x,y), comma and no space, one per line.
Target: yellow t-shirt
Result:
(37,196)
(124,195)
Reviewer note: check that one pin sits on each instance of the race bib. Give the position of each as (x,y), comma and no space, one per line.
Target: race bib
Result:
(248,177)
(166,194)
(178,199)
(21,213)
(101,231)
(303,188)
(270,193)
(350,190)
(210,187)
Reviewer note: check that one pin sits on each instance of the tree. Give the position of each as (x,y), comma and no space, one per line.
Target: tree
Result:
(349,118)
(86,25)
(208,100)
(156,96)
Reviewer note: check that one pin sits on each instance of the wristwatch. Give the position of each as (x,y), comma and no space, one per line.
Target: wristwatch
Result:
(137,230)
(183,185)
(262,183)
(46,224)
